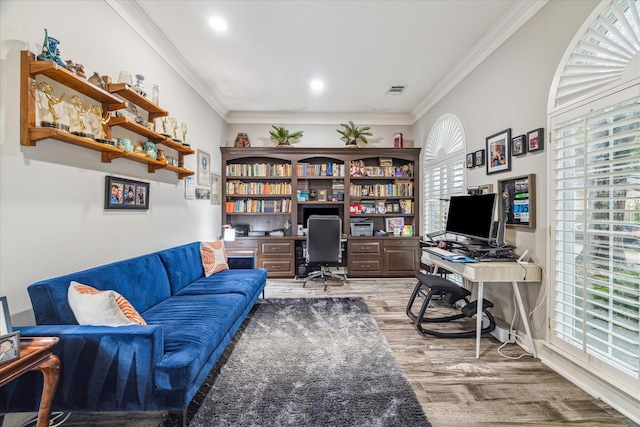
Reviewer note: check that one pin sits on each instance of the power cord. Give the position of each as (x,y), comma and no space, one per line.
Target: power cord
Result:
(56,419)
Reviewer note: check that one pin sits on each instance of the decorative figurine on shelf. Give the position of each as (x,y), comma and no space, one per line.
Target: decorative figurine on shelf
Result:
(102,122)
(47,89)
(80,71)
(242,140)
(50,51)
(96,80)
(81,112)
(139,87)
(174,125)
(164,121)
(183,128)
(150,150)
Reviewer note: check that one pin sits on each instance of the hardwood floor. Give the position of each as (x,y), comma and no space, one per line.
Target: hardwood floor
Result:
(453,387)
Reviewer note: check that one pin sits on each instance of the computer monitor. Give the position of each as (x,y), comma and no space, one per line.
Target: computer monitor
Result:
(307,211)
(472,216)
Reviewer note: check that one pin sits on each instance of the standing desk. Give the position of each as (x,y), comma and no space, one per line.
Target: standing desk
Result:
(491,272)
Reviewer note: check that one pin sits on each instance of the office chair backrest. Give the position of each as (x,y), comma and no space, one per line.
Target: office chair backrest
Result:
(323,239)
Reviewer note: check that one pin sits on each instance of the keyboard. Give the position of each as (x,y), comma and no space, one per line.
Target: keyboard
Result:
(440,252)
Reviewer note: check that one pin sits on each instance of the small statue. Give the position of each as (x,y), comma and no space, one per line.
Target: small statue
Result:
(174,125)
(102,121)
(78,104)
(150,150)
(71,66)
(46,88)
(80,71)
(183,128)
(50,51)
(164,121)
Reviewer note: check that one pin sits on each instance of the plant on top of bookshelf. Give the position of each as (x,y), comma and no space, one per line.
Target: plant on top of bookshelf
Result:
(282,135)
(351,134)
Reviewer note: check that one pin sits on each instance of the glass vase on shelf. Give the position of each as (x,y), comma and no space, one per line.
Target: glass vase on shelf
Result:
(155,95)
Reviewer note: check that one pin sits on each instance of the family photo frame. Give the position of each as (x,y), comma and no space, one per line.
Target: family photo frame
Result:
(535,140)
(9,340)
(122,193)
(519,145)
(498,152)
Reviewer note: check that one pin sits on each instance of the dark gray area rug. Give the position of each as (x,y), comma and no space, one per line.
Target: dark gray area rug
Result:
(308,362)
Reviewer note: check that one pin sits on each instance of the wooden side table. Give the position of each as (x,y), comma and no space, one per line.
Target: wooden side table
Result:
(36,353)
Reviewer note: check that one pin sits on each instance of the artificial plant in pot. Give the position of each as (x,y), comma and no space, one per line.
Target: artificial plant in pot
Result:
(351,134)
(283,136)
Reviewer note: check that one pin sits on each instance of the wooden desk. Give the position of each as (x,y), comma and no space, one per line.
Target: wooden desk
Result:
(36,353)
(492,272)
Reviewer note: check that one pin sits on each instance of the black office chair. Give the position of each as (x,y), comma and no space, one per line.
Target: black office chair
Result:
(324,247)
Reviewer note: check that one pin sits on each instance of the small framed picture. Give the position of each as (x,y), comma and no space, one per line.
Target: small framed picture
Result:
(9,347)
(499,152)
(5,319)
(471,158)
(394,225)
(535,140)
(519,145)
(479,161)
(121,193)
(204,166)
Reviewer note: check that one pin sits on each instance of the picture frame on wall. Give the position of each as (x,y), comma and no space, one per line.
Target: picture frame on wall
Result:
(394,225)
(122,193)
(518,201)
(519,145)
(498,153)
(471,158)
(215,189)
(535,140)
(204,168)
(479,160)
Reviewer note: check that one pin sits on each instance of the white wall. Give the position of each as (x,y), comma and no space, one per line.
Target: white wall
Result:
(51,196)
(510,90)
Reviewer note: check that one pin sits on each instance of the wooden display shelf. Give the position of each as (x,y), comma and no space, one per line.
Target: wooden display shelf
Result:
(38,134)
(258,196)
(136,128)
(67,78)
(182,172)
(125,91)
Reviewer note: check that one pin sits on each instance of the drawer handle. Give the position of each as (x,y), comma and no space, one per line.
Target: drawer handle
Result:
(277,267)
(366,248)
(365,266)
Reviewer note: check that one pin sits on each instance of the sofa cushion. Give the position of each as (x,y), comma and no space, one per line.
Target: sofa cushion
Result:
(183,264)
(142,281)
(101,308)
(214,257)
(245,282)
(193,326)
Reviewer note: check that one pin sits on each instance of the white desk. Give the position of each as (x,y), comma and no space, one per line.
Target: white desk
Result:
(492,272)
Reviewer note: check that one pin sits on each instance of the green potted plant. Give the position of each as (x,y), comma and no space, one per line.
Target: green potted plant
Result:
(351,134)
(282,135)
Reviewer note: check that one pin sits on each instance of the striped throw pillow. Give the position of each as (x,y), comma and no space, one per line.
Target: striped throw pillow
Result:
(101,308)
(214,257)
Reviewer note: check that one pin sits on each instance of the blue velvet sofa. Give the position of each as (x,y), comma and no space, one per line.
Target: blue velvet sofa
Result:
(190,320)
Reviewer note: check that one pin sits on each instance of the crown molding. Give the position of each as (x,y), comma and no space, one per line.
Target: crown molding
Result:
(511,22)
(248,117)
(140,22)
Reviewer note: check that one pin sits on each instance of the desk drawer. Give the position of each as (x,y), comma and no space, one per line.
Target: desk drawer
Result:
(401,243)
(364,267)
(276,248)
(242,244)
(277,267)
(365,247)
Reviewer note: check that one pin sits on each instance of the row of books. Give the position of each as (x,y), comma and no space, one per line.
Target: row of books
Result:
(258,169)
(322,169)
(358,169)
(404,206)
(240,187)
(259,206)
(397,189)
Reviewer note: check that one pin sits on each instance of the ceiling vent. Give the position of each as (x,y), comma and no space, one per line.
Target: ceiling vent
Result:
(396,90)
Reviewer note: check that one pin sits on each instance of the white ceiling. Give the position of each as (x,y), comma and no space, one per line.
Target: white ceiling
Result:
(262,65)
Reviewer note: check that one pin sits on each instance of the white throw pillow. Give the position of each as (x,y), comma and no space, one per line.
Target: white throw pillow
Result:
(214,257)
(101,308)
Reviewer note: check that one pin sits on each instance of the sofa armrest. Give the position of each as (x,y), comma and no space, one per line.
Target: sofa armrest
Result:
(102,368)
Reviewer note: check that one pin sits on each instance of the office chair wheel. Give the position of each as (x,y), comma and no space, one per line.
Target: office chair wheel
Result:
(429,286)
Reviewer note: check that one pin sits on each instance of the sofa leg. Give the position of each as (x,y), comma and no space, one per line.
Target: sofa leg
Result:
(182,417)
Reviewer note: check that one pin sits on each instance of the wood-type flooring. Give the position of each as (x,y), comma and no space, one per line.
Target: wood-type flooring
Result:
(453,387)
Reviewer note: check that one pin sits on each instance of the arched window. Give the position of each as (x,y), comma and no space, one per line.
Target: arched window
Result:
(594,121)
(443,168)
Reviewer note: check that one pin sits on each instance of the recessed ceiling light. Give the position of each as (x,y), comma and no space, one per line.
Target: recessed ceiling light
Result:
(218,24)
(317,85)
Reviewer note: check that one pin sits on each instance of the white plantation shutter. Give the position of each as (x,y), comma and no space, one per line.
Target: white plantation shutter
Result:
(595,262)
(443,168)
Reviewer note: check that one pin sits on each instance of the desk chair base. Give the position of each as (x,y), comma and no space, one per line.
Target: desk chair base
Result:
(450,293)
(323,273)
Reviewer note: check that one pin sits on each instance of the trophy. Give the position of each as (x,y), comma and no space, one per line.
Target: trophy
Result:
(174,125)
(81,112)
(164,121)
(183,128)
(50,51)
(102,122)
(46,88)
